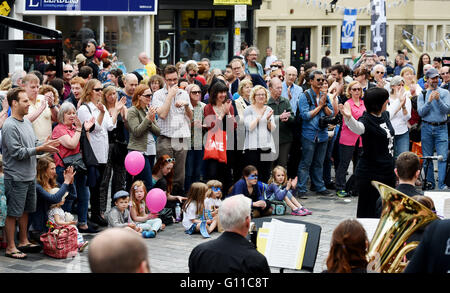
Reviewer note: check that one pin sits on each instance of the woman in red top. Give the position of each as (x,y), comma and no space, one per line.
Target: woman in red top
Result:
(219,115)
(68,132)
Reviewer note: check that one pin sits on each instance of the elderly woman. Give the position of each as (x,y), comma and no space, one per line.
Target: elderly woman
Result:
(259,125)
(219,116)
(91,106)
(117,145)
(194,158)
(143,131)
(68,132)
(399,109)
(350,144)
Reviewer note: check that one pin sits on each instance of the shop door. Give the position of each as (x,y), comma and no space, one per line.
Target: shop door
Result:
(300,46)
(166,48)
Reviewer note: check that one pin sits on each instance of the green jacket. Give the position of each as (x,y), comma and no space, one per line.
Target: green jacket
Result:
(285,128)
(140,127)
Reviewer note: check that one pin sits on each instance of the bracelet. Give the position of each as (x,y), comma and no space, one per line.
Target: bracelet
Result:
(52,106)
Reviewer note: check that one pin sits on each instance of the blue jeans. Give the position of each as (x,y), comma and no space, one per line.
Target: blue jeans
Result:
(313,155)
(401,144)
(194,165)
(435,137)
(83,195)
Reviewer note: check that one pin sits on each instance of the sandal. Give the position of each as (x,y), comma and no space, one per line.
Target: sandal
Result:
(30,248)
(16,254)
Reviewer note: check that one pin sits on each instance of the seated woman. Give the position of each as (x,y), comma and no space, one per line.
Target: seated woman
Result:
(48,192)
(248,186)
(349,244)
(162,178)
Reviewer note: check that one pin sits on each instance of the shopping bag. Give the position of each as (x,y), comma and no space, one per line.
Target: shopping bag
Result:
(216,146)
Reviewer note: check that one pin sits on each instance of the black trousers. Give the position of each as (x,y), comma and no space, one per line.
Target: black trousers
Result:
(255,158)
(97,199)
(368,195)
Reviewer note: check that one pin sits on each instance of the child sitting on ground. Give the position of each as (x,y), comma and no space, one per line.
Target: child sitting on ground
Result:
(195,216)
(213,196)
(119,215)
(279,187)
(150,223)
(57,217)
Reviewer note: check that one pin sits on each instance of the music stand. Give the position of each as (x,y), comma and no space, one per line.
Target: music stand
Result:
(312,243)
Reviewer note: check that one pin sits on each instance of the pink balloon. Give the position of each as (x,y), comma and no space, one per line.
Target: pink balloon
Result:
(134,163)
(156,200)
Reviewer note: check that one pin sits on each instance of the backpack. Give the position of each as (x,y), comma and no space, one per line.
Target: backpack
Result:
(298,121)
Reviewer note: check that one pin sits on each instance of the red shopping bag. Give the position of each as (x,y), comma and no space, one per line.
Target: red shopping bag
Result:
(216,146)
(60,242)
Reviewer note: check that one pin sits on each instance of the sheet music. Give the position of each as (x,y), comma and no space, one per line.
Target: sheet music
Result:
(282,247)
(370,225)
(441,202)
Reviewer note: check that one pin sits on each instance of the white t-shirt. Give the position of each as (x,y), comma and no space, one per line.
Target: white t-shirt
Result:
(211,202)
(189,214)
(399,120)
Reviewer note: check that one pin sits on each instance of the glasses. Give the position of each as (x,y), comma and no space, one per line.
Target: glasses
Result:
(170,160)
(193,75)
(356,89)
(98,89)
(260,95)
(320,79)
(196,92)
(68,71)
(380,72)
(382,59)
(253,177)
(215,189)
(148,96)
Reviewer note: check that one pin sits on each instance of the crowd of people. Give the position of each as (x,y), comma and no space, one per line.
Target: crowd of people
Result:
(263,131)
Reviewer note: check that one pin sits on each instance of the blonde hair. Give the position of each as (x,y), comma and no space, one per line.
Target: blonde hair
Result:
(211,184)
(196,194)
(242,84)
(55,205)
(272,176)
(134,202)
(349,88)
(254,90)
(107,91)
(6,84)
(87,90)
(48,88)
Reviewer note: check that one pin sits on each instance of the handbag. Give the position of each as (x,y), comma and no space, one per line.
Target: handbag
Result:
(216,146)
(88,155)
(74,160)
(60,242)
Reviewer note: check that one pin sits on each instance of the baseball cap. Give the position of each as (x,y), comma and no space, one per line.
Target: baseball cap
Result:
(80,58)
(432,73)
(119,194)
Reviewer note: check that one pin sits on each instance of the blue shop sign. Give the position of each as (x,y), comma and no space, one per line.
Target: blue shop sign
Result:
(109,6)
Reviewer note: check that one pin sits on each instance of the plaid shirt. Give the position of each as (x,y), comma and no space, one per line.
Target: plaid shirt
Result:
(176,124)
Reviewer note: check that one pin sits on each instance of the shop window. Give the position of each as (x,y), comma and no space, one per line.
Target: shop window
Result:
(75,30)
(205,18)
(221,18)
(188,18)
(166,19)
(124,35)
(31,62)
(362,37)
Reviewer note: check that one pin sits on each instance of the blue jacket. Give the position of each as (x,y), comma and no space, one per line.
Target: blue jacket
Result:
(310,126)
(258,65)
(436,111)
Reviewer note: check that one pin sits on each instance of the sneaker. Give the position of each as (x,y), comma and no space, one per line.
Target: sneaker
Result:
(308,212)
(299,212)
(324,192)
(151,234)
(341,193)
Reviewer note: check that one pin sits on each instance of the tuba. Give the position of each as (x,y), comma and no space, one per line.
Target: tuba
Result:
(400,218)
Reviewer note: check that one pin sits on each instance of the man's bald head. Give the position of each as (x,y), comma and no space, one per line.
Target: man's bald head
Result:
(131,82)
(143,58)
(118,250)
(291,75)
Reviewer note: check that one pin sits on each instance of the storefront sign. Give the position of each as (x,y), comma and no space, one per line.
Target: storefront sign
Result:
(96,6)
(233,2)
(378,27)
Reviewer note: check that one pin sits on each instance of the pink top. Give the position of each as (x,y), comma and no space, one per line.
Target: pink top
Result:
(347,136)
(61,130)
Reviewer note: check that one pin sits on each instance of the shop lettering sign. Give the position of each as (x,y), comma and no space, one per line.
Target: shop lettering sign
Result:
(91,6)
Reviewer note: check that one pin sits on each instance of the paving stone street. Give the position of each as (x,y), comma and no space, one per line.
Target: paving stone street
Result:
(169,251)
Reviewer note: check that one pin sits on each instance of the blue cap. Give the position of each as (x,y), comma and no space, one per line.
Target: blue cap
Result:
(119,194)
(432,73)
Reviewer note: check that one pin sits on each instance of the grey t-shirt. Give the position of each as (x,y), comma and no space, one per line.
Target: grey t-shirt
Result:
(118,219)
(19,150)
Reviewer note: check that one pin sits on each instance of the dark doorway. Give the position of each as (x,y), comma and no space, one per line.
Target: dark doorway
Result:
(166,47)
(300,46)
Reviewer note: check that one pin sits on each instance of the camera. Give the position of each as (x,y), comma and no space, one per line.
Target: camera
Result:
(324,121)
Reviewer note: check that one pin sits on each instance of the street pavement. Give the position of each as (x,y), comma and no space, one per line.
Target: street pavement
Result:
(169,251)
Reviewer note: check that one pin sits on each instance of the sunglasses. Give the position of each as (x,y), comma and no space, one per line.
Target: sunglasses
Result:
(253,177)
(170,160)
(147,96)
(320,79)
(380,72)
(356,89)
(215,189)
(193,75)
(196,92)
(98,89)
(382,59)
(68,71)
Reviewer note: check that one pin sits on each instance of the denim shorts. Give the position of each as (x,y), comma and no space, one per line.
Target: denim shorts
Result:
(21,197)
